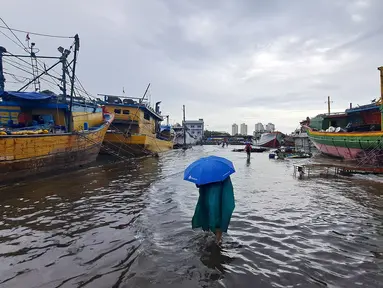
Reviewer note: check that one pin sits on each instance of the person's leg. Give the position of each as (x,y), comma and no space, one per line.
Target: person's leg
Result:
(218,236)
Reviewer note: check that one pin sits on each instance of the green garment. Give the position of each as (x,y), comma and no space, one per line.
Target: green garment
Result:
(215,206)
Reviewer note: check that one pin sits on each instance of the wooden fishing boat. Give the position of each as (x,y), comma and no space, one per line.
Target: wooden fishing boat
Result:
(45,132)
(136,129)
(366,146)
(30,150)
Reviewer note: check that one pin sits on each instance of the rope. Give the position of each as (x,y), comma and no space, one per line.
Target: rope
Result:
(34,33)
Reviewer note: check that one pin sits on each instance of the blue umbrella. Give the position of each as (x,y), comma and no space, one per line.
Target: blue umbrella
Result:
(209,170)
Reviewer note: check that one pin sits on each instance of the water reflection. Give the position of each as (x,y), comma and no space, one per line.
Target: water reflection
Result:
(128,225)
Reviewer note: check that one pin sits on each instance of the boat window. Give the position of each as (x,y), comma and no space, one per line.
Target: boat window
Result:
(146,116)
(199,126)
(117,111)
(191,126)
(126,112)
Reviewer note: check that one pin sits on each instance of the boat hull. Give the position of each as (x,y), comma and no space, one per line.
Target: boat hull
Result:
(23,156)
(270,140)
(134,145)
(349,146)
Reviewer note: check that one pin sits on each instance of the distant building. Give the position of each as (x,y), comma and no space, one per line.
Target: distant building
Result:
(234,129)
(259,128)
(270,127)
(195,128)
(243,129)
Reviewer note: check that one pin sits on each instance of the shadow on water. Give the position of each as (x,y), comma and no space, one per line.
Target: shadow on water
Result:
(128,225)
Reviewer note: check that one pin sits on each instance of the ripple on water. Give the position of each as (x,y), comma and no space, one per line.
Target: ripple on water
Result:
(129,226)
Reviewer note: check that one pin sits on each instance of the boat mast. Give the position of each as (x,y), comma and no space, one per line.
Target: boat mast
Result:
(76,49)
(2,79)
(381,97)
(328,105)
(184,126)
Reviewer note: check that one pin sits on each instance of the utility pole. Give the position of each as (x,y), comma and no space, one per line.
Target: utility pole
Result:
(184,126)
(76,49)
(2,79)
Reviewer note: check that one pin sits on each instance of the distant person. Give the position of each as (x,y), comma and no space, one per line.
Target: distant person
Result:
(214,207)
(248,149)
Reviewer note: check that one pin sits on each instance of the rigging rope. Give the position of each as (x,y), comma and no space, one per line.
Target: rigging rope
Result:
(34,33)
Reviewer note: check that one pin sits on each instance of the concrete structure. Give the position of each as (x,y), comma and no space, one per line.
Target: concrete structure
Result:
(259,128)
(195,128)
(234,129)
(270,127)
(194,132)
(243,129)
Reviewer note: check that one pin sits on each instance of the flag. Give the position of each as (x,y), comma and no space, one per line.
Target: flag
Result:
(27,37)
(123,90)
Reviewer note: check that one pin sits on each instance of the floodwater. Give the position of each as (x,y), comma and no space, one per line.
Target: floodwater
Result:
(130,226)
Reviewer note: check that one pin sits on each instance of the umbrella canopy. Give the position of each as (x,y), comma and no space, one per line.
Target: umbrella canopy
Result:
(209,170)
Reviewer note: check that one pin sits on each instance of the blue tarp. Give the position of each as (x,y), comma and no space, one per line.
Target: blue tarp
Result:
(27,95)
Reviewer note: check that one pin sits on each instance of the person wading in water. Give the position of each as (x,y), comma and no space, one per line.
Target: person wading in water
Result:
(248,149)
(216,194)
(214,208)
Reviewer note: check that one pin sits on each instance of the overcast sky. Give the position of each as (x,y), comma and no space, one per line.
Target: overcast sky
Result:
(228,61)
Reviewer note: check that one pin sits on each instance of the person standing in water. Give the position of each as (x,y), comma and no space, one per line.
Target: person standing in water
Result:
(248,149)
(214,207)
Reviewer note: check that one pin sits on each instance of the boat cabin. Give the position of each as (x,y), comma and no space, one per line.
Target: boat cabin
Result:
(133,117)
(38,113)
(364,118)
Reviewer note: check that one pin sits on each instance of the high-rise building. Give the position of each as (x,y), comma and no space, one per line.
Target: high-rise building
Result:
(259,128)
(243,129)
(270,127)
(234,129)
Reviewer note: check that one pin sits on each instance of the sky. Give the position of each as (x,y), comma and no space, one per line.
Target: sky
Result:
(228,61)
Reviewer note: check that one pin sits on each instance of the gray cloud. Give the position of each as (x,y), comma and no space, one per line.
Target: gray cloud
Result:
(228,61)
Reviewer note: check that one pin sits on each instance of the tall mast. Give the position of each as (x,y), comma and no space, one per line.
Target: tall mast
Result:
(328,105)
(184,126)
(2,79)
(76,49)
(381,97)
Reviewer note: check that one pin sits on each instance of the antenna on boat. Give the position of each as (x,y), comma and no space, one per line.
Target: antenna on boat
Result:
(35,69)
(2,79)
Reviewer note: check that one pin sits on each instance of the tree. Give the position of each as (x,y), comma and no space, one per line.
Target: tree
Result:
(208,133)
